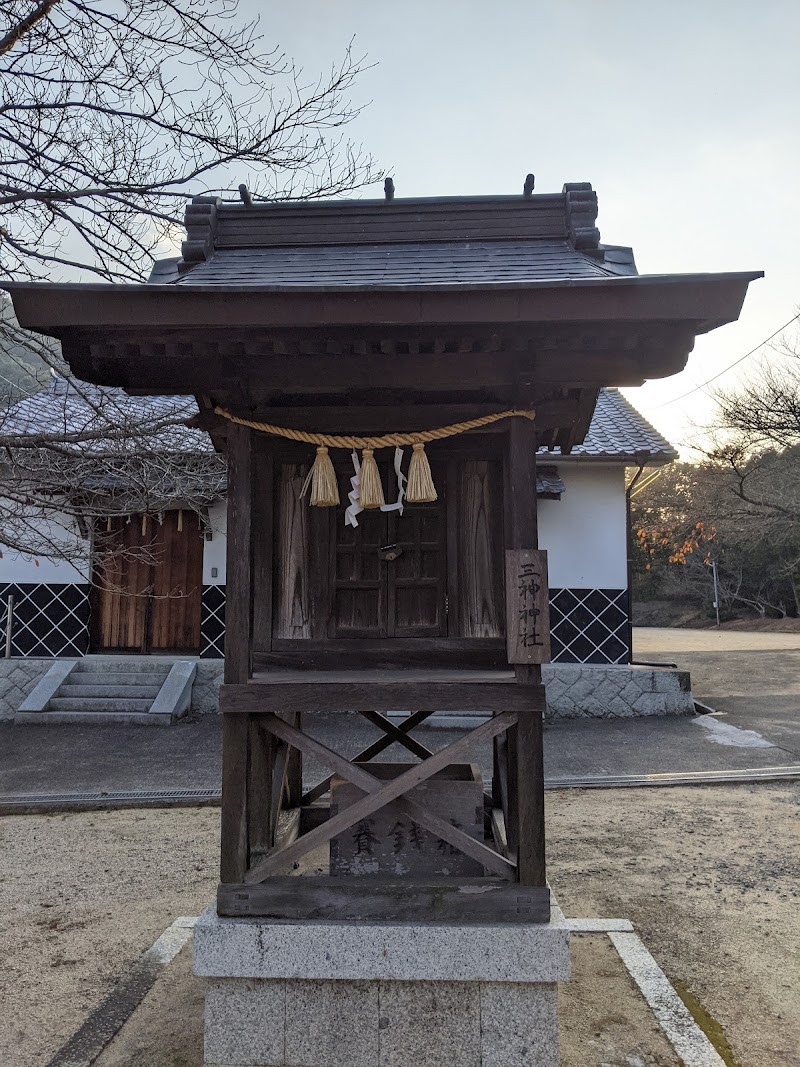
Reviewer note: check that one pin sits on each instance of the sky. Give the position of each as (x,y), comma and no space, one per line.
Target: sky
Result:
(683,116)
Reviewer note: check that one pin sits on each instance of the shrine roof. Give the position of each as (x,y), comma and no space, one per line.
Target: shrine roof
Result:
(384,266)
(396,243)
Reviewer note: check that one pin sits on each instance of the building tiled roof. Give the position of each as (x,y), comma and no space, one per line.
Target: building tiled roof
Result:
(81,409)
(617,430)
(392,265)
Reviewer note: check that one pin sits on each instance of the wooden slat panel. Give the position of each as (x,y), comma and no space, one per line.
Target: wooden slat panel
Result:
(263,541)
(480,605)
(292,618)
(481,900)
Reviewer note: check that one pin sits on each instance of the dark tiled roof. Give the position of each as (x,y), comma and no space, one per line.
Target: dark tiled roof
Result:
(63,408)
(618,431)
(548,481)
(384,265)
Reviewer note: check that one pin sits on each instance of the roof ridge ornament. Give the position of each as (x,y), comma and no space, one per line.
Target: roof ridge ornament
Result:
(201,231)
(581,210)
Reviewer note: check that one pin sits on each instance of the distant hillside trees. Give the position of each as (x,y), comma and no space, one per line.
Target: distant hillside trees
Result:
(739,508)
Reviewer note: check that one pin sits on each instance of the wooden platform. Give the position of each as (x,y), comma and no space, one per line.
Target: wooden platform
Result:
(376,690)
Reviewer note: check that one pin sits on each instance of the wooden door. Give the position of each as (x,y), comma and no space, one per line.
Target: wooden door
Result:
(177,585)
(375,596)
(148,584)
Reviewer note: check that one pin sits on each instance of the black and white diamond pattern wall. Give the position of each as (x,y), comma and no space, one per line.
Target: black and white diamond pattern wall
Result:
(49,619)
(212,622)
(589,625)
(586,625)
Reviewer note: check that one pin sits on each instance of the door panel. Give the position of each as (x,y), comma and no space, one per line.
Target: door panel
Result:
(359,608)
(402,597)
(177,583)
(148,584)
(416,578)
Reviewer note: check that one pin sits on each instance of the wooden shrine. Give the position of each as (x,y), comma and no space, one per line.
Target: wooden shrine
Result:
(360,319)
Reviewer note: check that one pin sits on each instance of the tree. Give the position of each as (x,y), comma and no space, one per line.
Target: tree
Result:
(739,508)
(112,114)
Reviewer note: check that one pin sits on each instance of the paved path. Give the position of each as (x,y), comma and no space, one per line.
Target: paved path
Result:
(753,679)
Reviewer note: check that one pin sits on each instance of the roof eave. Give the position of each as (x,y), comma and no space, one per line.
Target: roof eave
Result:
(705,300)
(629,459)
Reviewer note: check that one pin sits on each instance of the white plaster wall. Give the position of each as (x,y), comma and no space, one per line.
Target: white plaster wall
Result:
(214,550)
(19,567)
(584,531)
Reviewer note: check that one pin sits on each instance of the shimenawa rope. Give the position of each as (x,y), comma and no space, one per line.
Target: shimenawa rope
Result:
(420,488)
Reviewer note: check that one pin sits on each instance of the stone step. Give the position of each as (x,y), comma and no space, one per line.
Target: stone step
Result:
(92,718)
(110,690)
(123,665)
(91,705)
(115,678)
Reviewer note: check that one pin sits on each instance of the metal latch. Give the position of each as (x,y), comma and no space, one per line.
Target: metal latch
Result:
(390,552)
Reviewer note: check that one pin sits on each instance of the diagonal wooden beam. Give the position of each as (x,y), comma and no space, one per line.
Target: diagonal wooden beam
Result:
(370,785)
(368,753)
(390,791)
(280,766)
(396,734)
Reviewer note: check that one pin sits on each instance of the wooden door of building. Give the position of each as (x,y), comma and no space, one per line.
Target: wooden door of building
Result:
(389,575)
(332,583)
(148,584)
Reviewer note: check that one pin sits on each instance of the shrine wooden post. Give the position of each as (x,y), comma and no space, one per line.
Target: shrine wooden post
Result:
(525,742)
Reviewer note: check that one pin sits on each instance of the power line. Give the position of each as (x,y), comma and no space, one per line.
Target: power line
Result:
(741,359)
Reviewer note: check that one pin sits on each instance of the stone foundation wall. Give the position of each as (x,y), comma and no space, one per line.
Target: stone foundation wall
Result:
(586,691)
(574,691)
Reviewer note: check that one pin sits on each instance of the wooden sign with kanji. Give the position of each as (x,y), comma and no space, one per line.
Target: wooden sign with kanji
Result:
(527,606)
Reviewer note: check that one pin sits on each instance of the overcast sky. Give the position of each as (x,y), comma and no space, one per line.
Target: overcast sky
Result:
(683,115)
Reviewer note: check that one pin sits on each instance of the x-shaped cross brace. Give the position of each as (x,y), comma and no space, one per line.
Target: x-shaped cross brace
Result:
(392,733)
(380,794)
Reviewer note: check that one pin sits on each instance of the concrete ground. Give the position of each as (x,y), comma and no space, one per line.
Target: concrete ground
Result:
(753,680)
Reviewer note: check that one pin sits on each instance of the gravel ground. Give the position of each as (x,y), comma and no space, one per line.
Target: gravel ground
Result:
(708,876)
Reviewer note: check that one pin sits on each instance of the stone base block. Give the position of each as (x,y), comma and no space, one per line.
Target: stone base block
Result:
(498,1008)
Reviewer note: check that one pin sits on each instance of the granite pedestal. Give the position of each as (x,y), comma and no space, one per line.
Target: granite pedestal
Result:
(341,994)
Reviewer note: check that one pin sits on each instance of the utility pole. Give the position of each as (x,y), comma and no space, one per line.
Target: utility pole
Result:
(716,589)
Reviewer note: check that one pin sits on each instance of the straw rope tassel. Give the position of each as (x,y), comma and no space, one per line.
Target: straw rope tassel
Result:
(420,488)
(324,487)
(371,487)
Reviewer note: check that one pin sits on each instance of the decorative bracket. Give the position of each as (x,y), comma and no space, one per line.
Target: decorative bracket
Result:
(581,209)
(201,231)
